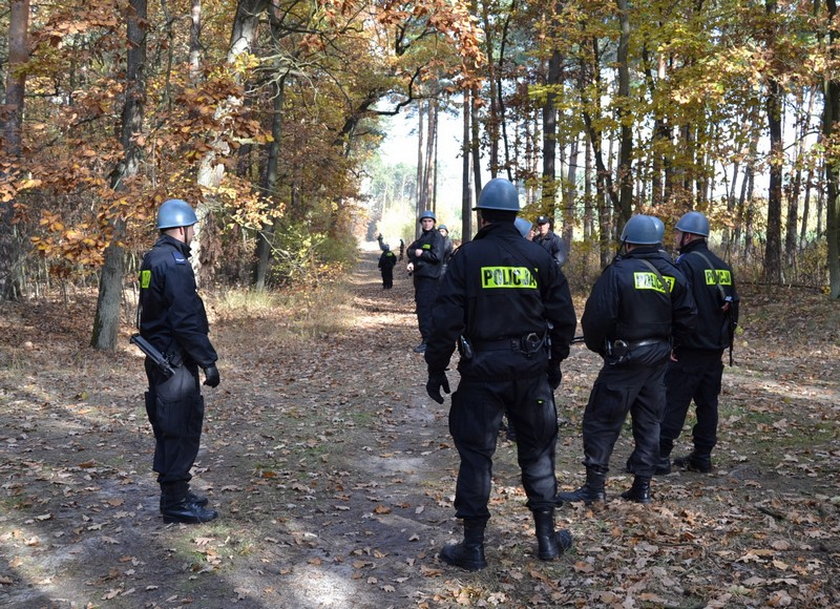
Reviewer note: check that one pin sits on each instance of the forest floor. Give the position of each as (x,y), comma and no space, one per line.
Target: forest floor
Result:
(334,473)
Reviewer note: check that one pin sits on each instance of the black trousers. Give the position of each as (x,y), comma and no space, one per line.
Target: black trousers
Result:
(696,376)
(474,420)
(639,390)
(388,278)
(425,292)
(176,412)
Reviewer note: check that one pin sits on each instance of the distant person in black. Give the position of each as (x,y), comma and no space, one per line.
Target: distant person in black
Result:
(696,369)
(425,256)
(507,305)
(402,249)
(552,242)
(173,319)
(387,261)
(640,304)
(448,247)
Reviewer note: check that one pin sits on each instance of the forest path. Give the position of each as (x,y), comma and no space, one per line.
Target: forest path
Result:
(333,473)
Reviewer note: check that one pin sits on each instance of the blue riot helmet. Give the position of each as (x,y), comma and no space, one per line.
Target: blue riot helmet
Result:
(174,213)
(443,227)
(427,214)
(660,227)
(523,226)
(693,222)
(642,230)
(499,194)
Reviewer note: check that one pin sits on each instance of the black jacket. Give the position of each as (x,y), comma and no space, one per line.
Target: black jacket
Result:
(429,263)
(628,303)
(500,286)
(711,290)
(172,315)
(554,245)
(387,261)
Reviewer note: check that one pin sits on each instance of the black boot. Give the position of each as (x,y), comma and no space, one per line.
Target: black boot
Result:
(640,491)
(469,554)
(187,512)
(591,492)
(695,462)
(192,497)
(177,504)
(551,543)
(421,347)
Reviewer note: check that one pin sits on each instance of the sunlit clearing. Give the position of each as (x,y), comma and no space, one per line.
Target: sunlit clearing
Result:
(316,588)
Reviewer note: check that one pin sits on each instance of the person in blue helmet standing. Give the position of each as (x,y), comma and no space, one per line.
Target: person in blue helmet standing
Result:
(507,305)
(448,247)
(638,308)
(425,263)
(696,369)
(172,318)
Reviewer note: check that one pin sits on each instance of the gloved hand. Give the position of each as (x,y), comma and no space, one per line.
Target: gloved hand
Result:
(434,384)
(554,375)
(211,376)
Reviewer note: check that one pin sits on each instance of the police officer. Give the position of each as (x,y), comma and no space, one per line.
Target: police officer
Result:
(696,369)
(549,240)
(173,319)
(387,261)
(507,305)
(638,306)
(448,248)
(425,256)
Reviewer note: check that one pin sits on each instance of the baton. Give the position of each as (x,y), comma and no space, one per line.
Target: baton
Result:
(152,352)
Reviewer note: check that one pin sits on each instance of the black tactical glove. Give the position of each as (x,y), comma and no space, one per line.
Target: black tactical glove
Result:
(554,375)
(211,376)
(434,384)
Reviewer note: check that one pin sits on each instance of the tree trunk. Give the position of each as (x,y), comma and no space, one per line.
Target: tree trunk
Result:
(195,40)
(11,137)
(772,251)
(625,153)
(571,193)
(420,203)
(831,117)
(466,196)
(806,207)
(265,237)
(107,318)
(492,126)
(588,228)
(549,148)
(475,141)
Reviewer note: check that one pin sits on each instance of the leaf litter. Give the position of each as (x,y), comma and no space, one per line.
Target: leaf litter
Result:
(334,475)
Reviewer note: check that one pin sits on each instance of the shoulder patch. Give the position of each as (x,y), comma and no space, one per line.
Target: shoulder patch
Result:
(179,258)
(145,279)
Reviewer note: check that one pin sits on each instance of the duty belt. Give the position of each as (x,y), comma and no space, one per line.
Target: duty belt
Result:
(632,344)
(528,344)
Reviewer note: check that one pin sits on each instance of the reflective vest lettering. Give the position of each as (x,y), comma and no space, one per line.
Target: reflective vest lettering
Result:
(718,276)
(650,281)
(507,277)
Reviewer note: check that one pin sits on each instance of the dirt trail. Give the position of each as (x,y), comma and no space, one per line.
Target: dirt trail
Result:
(334,472)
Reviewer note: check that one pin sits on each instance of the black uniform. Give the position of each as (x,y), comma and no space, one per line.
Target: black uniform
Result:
(698,370)
(427,268)
(554,245)
(628,303)
(173,319)
(505,295)
(448,248)
(386,265)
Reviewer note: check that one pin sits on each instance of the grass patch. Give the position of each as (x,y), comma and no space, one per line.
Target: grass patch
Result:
(294,315)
